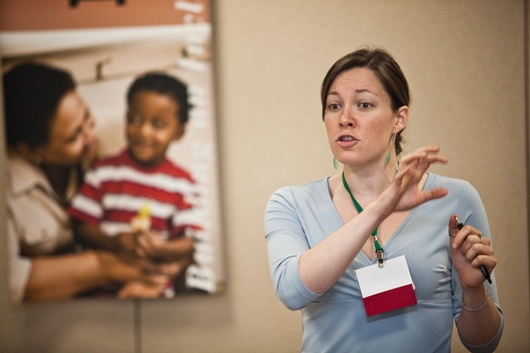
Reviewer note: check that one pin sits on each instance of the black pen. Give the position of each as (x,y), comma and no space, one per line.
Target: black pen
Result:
(460,225)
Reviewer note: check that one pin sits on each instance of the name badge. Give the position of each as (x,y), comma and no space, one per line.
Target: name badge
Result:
(386,288)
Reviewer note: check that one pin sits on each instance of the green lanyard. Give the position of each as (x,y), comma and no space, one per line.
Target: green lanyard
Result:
(378,248)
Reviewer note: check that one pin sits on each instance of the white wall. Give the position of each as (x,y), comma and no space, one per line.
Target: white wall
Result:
(465,64)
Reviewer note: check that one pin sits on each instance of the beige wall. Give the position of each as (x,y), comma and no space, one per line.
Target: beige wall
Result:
(465,64)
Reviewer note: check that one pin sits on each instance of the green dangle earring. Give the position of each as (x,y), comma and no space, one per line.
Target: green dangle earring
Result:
(387,159)
(335,163)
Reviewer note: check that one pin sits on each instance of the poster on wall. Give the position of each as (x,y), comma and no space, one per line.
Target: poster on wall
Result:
(112,174)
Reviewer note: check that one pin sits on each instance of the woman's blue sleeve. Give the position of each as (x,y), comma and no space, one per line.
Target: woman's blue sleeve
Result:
(286,242)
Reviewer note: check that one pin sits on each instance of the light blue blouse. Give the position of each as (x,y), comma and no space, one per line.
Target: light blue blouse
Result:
(299,217)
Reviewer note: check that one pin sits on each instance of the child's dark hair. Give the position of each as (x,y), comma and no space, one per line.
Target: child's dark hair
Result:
(165,84)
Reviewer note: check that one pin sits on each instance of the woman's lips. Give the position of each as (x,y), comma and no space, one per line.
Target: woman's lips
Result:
(346,141)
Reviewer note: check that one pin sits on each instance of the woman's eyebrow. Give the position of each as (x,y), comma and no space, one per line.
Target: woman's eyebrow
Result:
(360,90)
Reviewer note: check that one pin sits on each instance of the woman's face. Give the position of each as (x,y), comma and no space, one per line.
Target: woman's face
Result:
(359,119)
(72,135)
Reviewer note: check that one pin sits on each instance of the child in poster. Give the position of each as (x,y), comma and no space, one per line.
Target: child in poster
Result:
(138,202)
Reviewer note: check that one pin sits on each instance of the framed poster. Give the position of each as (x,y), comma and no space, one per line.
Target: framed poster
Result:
(106,46)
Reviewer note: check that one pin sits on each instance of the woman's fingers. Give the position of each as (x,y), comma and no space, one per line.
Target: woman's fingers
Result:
(424,157)
(470,250)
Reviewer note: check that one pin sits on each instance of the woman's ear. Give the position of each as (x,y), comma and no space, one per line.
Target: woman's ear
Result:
(28,153)
(402,118)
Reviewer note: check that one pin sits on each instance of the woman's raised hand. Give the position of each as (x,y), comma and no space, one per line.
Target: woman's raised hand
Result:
(406,192)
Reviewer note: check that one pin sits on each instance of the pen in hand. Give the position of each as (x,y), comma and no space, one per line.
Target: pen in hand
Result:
(485,272)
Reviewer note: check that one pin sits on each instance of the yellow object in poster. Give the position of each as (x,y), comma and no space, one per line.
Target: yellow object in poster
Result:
(142,221)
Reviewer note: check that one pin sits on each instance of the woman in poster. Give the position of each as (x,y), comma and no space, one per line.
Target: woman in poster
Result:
(51,138)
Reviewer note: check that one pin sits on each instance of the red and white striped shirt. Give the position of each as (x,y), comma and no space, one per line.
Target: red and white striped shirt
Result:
(116,188)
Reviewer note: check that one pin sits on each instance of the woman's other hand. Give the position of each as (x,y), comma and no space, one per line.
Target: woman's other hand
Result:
(126,268)
(470,250)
